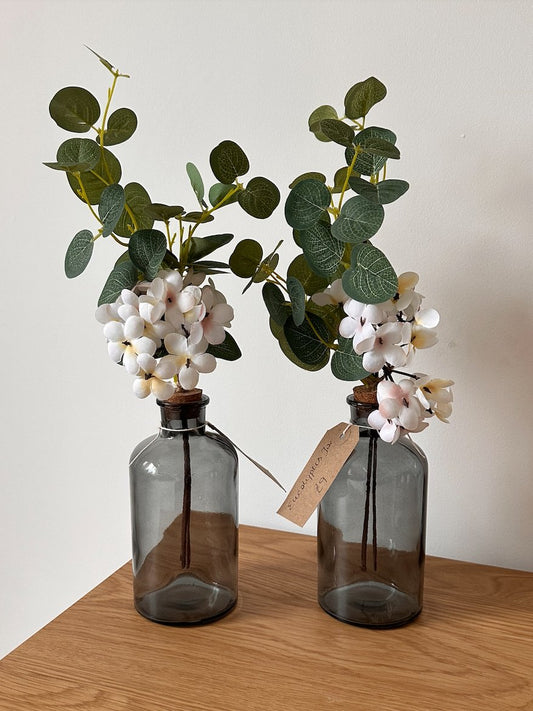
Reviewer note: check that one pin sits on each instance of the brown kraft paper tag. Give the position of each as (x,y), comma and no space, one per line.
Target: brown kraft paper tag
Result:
(319,473)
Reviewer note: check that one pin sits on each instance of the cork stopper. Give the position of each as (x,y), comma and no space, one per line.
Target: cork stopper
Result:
(182,397)
(366,394)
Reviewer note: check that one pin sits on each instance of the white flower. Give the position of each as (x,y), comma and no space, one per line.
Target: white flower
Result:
(153,376)
(360,320)
(407,299)
(107,312)
(383,346)
(399,409)
(126,341)
(436,396)
(189,355)
(333,295)
(423,337)
(218,314)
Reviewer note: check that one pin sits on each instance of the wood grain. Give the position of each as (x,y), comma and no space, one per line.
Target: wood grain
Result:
(471,648)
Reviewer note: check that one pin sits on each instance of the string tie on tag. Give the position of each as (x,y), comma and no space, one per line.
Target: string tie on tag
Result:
(341,436)
(215,429)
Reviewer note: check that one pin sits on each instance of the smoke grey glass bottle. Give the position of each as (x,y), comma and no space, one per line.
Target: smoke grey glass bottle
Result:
(184,507)
(371,531)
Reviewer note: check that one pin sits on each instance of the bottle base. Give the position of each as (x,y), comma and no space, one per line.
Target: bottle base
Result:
(370,604)
(187,600)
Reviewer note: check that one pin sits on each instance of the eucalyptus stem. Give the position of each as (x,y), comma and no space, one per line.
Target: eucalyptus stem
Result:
(85,198)
(357,151)
(218,205)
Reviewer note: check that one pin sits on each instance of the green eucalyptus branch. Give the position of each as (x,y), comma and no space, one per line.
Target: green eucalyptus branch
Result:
(126,212)
(334,236)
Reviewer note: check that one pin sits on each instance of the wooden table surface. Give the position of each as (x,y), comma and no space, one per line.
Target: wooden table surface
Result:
(470,649)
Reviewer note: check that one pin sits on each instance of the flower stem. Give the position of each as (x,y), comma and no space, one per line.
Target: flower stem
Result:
(374,505)
(371,470)
(186,508)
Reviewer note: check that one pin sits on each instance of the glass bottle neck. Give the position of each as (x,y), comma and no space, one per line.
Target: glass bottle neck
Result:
(359,411)
(177,418)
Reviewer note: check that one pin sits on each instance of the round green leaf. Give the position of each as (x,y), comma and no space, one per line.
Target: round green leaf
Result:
(121,126)
(340,179)
(106,172)
(79,253)
(111,207)
(259,198)
(337,131)
(147,249)
(382,193)
(78,154)
(297,297)
(201,217)
(306,176)
(137,201)
(228,161)
(380,147)
(275,303)
(346,364)
(123,276)
(362,97)
(74,109)
(369,163)
(359,221)
(306,202)
(310,281)
(321,249)
(246,258)
(227,350)
(318,115)
(164,213)
(196,181)
(371,278)
(277,332)
(304,342)
(218,192)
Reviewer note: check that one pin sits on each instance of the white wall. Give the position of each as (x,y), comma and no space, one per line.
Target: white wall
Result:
(459,80)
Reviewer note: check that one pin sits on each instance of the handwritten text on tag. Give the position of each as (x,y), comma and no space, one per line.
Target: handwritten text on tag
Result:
(319,473)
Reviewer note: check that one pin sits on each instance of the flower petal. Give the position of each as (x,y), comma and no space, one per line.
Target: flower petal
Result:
(176,344)
(348,327)
(129,361)
(188,378)
(141,387)
(146,362)
(116,350)
(222,313)
(204,362)
(390,432)
(429,318)
(166,368)
(161,389)
(133,328)
(114,331)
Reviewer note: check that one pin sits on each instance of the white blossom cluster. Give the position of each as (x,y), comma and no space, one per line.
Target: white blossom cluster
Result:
(386,336)
(161,330)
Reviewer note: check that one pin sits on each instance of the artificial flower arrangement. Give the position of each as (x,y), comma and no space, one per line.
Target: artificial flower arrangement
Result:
(342,297)
(163,317)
